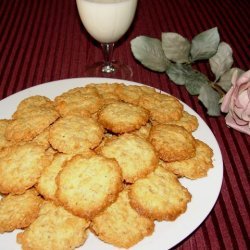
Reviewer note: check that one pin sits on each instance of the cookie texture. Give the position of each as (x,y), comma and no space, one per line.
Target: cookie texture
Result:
(132,93)
(19,211)
(143,131)
(46,184)
(135,155)
(120,117)
(187,121)
(195,167)
(33,115)
(3,140)
(78,101)
(31,104)
(120,225)
(163,108)
(54,228)
(75,134)
(107,91)
(159,196)
(86,186)
(21,166)
(172,142)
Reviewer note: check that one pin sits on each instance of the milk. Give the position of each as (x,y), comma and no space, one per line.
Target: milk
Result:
(106,20)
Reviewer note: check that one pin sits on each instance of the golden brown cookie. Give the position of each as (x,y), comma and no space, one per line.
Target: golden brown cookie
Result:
(163,108)
(120,225)
(120,117)
(75,134)
(21,166)
(3,141)
(143,131)
(135,155)
(187,121)
(27,127)
(195,167)
(172,142)
(86,186)
(55,228)
(78,101)
(19,211)
(31,104)
(33,115)
(132,93)
(106,91)
(43,138)
(46,185)
(159,196)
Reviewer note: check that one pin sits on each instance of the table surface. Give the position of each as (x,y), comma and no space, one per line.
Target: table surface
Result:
(42,41)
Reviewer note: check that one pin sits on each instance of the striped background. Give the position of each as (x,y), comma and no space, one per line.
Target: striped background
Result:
(41,41)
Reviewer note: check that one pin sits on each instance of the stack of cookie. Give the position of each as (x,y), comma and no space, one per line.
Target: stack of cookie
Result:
(102,157)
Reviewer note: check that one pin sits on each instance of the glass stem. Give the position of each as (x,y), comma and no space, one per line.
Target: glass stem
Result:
(107,50)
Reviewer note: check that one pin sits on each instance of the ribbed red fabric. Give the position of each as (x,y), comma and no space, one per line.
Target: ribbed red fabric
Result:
(42,41)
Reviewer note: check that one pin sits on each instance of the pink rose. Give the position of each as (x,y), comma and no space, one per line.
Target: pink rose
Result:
(237,103)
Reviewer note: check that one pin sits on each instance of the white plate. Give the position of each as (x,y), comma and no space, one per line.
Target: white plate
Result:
(204,191)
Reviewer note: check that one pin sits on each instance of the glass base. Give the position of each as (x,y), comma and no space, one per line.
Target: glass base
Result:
(116,70)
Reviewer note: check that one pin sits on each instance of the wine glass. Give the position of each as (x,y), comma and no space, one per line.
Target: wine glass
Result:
(107,21)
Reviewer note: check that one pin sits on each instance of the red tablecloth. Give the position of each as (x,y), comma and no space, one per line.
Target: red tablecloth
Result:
(41,41)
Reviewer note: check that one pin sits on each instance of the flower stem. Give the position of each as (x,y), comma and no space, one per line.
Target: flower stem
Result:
(216,87)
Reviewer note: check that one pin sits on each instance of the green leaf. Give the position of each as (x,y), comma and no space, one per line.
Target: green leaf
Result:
(222,61)
(226,79)
(205,44)
(210,99)
(176,47)
(183,74)
(150,53)
(195,81)
(178,72)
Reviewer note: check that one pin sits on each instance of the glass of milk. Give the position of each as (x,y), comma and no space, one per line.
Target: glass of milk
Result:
(107,21)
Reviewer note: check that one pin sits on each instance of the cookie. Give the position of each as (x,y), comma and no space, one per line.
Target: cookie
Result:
(3,141)
(32,104)
(143,131)
(195,167)
(27,127)
(120,225)
(135,155)
(106,91)
(43,138)
(120,117)
(55,228)
(78,101)
(21,166)
(163,108)
(86,186)
(159,196)
(172,142)
(187,121)
(33,115)
(75,134)
(132,93)
(46,185)
(19,211)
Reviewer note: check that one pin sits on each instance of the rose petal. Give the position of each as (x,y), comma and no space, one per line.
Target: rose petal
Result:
(246,113)
(234,77)
(238,120)
(226,101)
(231,123)
(242,99)
(245,77)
